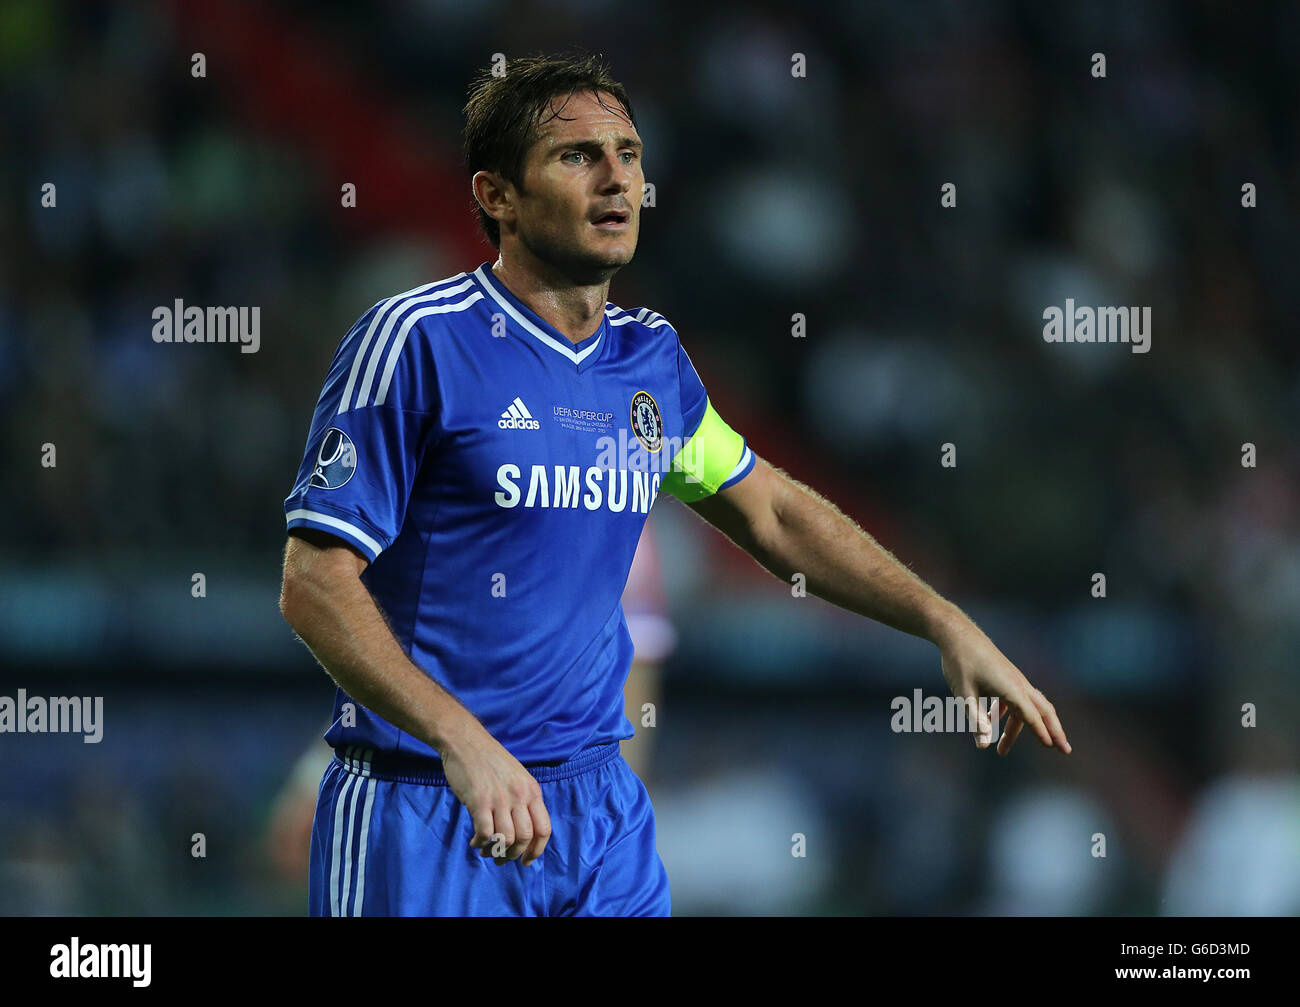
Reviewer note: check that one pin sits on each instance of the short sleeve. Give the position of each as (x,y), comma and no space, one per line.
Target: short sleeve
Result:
(712,456)
(375,419)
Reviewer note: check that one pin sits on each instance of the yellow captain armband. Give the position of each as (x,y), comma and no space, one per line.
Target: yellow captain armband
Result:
(712,455)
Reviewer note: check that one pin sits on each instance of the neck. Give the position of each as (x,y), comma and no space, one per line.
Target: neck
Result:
(574,309)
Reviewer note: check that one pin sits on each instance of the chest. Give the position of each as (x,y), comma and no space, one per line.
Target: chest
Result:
(531,434)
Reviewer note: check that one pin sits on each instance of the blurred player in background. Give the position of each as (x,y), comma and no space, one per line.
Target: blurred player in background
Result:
(655,638)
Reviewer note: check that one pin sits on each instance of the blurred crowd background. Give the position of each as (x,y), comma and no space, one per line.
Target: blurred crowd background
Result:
(775,195)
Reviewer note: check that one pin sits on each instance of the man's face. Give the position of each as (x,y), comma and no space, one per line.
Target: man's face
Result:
(585,164)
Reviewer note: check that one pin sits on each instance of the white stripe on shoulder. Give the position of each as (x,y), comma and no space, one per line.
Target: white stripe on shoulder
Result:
(649,318)
(359,325)
(388,310)
(437,295)
(617,316)
(644,316)
(390,364)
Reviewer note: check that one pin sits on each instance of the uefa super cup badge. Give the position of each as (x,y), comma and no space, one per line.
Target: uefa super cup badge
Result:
(646,422)
(335,461)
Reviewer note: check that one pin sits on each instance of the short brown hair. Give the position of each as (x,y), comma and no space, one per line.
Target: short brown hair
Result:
(504,113)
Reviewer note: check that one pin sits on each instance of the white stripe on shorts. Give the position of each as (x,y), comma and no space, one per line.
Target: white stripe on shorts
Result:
(338,853)
(365,835)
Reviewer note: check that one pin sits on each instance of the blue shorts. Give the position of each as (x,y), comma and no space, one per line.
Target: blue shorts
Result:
(391,838)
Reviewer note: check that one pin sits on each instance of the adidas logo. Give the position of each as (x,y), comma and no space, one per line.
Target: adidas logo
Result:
(517,417)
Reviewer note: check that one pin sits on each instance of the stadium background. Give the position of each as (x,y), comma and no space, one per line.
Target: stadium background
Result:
(775,195)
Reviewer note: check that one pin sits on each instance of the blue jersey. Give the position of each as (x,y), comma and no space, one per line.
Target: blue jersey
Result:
(497,476)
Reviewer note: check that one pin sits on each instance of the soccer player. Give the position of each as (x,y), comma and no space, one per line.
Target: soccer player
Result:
(478,470)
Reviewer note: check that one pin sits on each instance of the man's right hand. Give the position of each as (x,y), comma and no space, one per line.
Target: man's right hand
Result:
(504,799)
(326,603)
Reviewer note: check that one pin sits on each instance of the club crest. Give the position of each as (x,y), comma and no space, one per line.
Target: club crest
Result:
(647,424)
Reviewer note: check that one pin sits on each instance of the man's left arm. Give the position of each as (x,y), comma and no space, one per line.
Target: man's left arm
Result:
(789,528)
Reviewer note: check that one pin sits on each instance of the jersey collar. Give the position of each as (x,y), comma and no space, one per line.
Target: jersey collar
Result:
(581,354)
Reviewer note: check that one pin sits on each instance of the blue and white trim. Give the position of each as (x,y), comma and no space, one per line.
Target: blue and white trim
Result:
(303,518)
(742,468)
(644,316)
(564,348)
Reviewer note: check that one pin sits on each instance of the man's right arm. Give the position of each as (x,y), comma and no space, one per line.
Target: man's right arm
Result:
(324,600)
